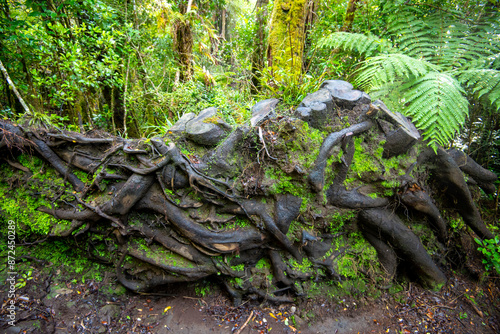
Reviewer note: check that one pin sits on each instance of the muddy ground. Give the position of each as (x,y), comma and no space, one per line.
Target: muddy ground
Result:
(52,302)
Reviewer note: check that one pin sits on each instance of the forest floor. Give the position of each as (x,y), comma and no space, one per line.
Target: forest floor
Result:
(53,302)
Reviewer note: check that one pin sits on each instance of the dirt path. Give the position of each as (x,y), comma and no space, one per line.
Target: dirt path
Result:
(50,305)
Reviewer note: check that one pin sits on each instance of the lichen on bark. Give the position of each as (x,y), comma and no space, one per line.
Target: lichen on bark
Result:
(287,38)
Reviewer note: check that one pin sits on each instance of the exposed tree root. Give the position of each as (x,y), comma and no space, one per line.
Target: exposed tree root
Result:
(178,217)
(387,227)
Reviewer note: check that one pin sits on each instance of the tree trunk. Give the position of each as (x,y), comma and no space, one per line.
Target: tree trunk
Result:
(286,39)
(183,43)
(349,15)
(258,56)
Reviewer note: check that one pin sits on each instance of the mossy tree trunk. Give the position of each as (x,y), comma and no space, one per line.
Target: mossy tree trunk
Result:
(287,38)
(183,40)
(258,56)
(349,15)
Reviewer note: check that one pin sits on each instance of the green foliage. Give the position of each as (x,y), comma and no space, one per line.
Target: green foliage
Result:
(365,45)
(491,252)
(20,203)
(431,56)
(438,106)
(339,219)
(292,89)
(483,82)
(388,68)
(263,263)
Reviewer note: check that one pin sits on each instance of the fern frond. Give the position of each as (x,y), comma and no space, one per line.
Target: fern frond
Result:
(380,70)
(438,106)
(483,82)
(447,39)
(359,43)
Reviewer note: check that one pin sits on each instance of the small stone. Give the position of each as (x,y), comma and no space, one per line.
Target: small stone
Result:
(13,330)
(107,312)
(403,134)
(343,94)
(299,321)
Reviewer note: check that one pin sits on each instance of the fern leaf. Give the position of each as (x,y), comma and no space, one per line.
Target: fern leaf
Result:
(380,70)
(483,82)
(438,106)
(359,43)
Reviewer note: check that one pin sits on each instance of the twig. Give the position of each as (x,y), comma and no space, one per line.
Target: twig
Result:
(444,306)
(13,87)
(264,143)
(245,324)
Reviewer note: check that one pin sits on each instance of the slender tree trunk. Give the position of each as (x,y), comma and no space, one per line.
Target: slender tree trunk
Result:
(259,46)
(286,39)
(183,43)
(349,15)
(13,87)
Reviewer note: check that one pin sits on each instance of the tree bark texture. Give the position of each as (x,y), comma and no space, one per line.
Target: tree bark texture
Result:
(286,39)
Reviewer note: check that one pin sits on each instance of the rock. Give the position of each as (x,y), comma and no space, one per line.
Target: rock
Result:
(320,96)
(180,125)
(263,111)
(13,330)
(108,312)
(316,108)
(343,94)
(298,320)
(303,113)
(222,159)
(400,133)
(316,115)
(203,131)
(58,292)
(397,119)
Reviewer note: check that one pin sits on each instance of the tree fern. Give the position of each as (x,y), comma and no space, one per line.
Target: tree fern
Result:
(437,105)
(484,83)
(434,52)
(380,70)
(359,43)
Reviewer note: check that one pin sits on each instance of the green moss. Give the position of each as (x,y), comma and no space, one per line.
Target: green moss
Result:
(338,219)
(286,39)
(263,263)
(237,222)
(20,203)
(306,266)
(359,256)
(239,267)
(363,162)
(159,254)
(83,176)
(60,255)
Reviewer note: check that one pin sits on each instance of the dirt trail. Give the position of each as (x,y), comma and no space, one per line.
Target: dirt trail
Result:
(46,305)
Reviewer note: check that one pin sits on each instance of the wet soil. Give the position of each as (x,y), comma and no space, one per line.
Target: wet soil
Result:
(56,303)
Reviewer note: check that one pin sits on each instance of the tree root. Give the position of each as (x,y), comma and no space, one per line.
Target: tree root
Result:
(385,225)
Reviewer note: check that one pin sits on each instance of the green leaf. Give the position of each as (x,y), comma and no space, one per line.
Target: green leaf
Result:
(380,70)
(438,106)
